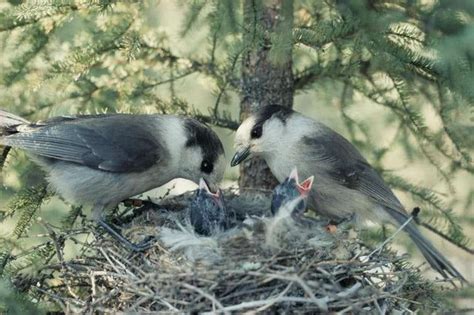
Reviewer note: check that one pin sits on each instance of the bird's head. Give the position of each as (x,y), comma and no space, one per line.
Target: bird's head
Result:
(262,133)
(202,155)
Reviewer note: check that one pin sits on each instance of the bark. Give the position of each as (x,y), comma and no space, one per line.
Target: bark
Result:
(266,81)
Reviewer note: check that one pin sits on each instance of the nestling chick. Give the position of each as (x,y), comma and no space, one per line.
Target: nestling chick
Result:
(289,190)
(288,228)
(347,183)
(197,236)
(208,214)
(101,160)
(206,237)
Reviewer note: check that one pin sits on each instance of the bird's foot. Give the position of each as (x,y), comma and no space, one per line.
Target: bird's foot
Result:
(331,228)
(133,203)
(136,247)
(140,206)
(147,243)
(137,203)
(343,223)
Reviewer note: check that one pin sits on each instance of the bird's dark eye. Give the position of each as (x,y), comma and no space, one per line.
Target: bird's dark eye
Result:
(206,167)
(256,132)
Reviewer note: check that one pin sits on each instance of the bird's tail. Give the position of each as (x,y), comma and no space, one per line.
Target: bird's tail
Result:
(432,255)
(8,123)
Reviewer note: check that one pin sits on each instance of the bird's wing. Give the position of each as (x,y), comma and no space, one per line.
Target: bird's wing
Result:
(114,143)
(343,163)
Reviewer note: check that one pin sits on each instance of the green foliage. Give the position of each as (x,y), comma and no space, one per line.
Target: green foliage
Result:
(26,205)
(411,61)
(434,212)
(73,215)
(423,290)
(12,302)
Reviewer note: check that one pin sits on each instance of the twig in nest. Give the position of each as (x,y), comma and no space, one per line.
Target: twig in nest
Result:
(322,303)
(306,279)
(206,295)
(59,245)
(381,246)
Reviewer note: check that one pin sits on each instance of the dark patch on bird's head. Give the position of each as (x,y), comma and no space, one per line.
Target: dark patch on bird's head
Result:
(201,135)
(255,136)
(267,112)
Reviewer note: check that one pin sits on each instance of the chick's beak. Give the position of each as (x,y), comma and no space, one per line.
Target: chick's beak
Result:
(217,196)
(218,199)
(239,156)
(305,186)
(205,186)
(294,175)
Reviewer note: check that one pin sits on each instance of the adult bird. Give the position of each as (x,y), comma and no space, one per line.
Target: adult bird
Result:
(347,184)
(101,160)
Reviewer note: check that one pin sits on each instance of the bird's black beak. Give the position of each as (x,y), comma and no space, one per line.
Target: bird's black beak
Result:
(240,156)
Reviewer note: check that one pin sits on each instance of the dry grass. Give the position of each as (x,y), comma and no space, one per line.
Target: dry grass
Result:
(237,270)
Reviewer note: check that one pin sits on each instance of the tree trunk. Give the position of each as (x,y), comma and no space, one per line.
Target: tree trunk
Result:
(266,73)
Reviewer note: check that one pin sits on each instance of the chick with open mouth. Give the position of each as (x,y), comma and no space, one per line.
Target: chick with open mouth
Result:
(289,190)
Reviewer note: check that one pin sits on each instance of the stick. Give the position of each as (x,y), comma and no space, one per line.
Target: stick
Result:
(379,248)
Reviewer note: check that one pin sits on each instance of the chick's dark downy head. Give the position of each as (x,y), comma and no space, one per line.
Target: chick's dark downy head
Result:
(207,212)
(289,190)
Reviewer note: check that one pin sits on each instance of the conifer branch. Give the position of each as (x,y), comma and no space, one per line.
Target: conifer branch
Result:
(68,57)
(22,17)
(40,40)
(447,237)
(447,127)
(416,128)
(218,121)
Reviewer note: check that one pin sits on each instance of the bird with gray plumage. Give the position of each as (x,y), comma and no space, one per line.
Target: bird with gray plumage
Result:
(289,190)
(101,160)
(207,210)
(347,184)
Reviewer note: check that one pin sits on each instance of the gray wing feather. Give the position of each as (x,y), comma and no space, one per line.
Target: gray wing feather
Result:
(345,165)
(115,143)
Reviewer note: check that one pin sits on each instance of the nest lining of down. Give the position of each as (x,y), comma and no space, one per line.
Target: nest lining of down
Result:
(260,264)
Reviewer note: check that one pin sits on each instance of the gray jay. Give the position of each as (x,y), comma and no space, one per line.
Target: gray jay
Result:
(347,184)
(101,160)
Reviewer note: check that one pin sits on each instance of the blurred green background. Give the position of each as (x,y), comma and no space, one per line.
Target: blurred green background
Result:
(154,56)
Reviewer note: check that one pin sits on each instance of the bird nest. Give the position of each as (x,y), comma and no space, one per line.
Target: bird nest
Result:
(260,264)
